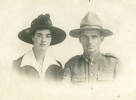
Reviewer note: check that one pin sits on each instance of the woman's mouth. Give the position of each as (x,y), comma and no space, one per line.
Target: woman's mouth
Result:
(43,44)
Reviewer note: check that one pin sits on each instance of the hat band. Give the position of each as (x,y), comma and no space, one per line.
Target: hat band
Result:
(91,26)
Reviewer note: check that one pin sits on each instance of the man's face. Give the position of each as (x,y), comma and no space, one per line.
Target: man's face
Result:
(91,40)
(42,39)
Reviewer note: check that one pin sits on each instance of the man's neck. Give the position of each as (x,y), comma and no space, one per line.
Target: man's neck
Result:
(90,55)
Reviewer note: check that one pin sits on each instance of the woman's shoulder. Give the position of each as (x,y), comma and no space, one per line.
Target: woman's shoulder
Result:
(17,62)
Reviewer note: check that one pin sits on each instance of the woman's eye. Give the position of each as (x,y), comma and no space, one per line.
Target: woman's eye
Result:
(49,35)
(38,35)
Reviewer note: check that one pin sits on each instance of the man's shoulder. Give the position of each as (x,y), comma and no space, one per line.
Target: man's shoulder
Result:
(111,58)
(74,59)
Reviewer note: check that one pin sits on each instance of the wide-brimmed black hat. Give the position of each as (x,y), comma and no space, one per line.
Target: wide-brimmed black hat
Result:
(42,22)
(91,21)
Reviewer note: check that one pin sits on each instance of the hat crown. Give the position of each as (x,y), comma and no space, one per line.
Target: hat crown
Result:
(91,19)
(42,20)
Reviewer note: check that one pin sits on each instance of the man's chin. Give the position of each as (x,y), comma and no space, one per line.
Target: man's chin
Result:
(91,50)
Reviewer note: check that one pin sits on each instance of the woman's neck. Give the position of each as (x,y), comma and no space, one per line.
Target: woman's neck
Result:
(39,54)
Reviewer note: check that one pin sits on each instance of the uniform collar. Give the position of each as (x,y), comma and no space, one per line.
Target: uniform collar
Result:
(95,58)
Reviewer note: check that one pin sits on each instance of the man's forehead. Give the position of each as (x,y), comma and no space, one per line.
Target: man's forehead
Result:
(90,32)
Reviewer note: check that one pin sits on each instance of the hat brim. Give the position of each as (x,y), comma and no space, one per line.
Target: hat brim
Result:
(77,32)
(58,35)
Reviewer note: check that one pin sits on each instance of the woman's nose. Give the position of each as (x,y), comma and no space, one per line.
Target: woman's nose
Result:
(44,38)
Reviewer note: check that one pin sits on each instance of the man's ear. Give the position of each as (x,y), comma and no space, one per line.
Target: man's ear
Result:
(79,39)
(102,38)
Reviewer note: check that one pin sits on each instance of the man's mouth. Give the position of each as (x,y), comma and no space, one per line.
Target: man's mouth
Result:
(90,47)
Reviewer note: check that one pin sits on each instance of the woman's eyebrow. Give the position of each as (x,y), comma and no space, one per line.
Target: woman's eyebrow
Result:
(49,34)
(39,33)
(43,34)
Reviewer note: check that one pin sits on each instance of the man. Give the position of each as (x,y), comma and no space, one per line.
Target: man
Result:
(36,63)
(92,65)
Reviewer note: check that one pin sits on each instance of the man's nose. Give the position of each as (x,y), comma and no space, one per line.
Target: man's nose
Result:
(90,40)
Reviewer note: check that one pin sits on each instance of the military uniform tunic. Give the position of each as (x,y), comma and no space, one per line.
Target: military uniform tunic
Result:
(102,67)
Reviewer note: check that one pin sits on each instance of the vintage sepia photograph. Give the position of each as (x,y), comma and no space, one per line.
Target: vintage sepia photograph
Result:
(67,50)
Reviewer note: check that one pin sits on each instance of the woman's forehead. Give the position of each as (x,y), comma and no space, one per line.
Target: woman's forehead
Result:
(43,31)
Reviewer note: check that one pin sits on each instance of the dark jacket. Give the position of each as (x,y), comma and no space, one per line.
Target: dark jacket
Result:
(81,69)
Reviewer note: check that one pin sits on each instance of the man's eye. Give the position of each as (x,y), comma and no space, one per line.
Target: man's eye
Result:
(84,36)
(94,36)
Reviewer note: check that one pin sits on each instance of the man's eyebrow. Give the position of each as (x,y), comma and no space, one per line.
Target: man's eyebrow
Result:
(83,35)
(94,35)
(48,33)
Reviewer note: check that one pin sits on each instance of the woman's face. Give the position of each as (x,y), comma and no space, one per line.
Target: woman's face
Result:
(42,39)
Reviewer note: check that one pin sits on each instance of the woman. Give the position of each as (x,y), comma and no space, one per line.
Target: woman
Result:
(35,63)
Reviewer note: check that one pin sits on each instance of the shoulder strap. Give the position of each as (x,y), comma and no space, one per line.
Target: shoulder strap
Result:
(110,55)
